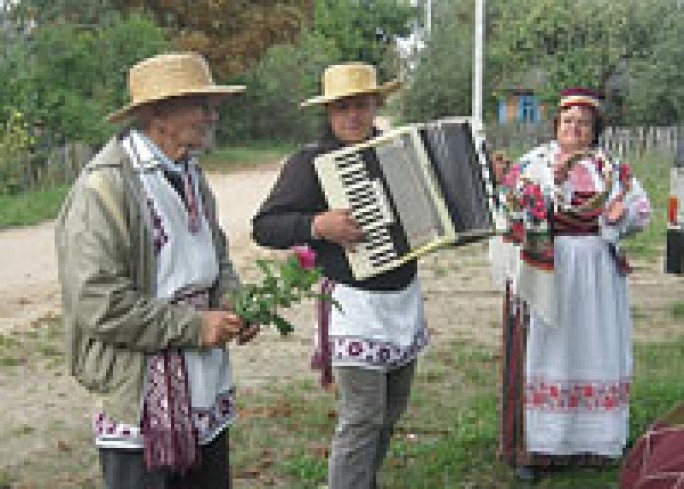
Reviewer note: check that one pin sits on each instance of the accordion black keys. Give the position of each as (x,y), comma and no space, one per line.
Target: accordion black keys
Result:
(412,190)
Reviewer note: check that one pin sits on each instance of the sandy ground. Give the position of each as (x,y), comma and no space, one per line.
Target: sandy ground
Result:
(28,266)
(45,412)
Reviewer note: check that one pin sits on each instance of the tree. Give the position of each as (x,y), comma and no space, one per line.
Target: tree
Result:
(441,84)
(286,75)
(342,30)
(655,92)
(78,12)
(364,30)
(585,42)
(66,78)
(232,34)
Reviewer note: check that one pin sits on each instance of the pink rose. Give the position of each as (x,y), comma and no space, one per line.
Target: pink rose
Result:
(625,173)
(643,210)
(581,179)
(511,177)
(306,257)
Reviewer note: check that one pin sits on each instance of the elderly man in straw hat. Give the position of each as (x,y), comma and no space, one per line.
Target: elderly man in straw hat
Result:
(375,339)
(143,267)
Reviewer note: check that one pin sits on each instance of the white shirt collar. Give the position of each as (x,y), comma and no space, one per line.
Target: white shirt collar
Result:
(148,155)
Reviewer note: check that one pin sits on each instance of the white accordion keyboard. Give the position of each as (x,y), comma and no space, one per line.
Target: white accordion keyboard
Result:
(412,190)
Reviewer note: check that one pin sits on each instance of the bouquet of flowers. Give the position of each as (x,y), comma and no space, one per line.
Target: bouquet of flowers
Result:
(535,203)
(285,283)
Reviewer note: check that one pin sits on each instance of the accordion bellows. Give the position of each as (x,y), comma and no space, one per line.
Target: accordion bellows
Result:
(413,190)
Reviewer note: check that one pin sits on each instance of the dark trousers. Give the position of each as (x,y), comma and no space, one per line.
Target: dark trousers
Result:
(125,469)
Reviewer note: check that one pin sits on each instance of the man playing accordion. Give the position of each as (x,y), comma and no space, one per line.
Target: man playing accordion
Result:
(373,342)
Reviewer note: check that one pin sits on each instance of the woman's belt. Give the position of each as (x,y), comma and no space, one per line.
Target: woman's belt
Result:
(576,232)
(568,224)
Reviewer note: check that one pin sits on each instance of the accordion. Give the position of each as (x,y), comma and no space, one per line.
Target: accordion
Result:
(412,190)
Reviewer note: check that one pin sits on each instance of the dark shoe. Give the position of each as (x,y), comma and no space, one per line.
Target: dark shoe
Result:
(526,474)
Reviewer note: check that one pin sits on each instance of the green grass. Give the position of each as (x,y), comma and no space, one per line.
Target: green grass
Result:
(42,342)
(226,159)
(5,480)
(448,437)
(653,171)
(678,310)
(30,207)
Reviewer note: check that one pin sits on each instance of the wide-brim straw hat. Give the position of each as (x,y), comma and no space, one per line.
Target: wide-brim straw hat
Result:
(349,79)
(167,76)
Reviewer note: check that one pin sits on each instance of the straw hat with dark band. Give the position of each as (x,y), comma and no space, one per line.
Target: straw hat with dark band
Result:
(349,79)
(170,75)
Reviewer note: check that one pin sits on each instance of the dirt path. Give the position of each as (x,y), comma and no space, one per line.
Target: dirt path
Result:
(28,275)
(36,395)
(28,267)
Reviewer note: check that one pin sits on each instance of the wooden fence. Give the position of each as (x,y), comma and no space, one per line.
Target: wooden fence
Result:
(53,166)
(618,140)
(44,167)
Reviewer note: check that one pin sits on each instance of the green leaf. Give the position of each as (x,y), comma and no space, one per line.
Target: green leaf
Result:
(284,326)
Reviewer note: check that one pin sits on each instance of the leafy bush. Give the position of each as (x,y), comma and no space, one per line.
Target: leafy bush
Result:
(440,85)
(15,143)
(342,30)
(68,77)
(286,76)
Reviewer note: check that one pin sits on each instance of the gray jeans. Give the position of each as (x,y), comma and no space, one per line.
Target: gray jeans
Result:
(369,406)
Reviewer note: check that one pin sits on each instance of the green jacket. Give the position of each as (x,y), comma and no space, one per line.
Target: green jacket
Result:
(107,273)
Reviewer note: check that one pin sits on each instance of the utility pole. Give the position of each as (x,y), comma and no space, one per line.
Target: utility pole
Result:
(478,124)
(428,17)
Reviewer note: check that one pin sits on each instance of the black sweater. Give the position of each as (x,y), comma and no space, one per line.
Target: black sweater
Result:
(285,219)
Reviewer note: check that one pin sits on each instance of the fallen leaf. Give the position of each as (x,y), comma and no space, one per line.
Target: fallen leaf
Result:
(321,451)
(62,446)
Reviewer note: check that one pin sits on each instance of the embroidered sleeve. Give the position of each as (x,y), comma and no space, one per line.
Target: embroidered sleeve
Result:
(637,205)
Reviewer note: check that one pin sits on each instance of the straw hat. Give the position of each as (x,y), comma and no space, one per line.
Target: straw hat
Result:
(170,75)
(345,80)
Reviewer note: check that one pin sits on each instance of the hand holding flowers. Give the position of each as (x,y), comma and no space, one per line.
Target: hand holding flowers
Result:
(285,283)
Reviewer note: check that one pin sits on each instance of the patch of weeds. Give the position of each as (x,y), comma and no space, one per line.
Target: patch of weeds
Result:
(440,271)
(307,469)
(6,480)
(12,361)
(50,350)
(24,430)
(7,341)
(678,310)
(639,313)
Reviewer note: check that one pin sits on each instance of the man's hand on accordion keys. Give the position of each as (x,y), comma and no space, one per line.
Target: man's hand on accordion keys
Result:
(338,226)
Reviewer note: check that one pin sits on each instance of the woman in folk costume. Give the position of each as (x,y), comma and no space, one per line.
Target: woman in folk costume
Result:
(374,340)
(568,361)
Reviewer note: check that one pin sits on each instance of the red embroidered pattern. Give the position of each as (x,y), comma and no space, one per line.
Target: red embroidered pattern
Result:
(160,238)
(376,353)
(207,422)
(577,396)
